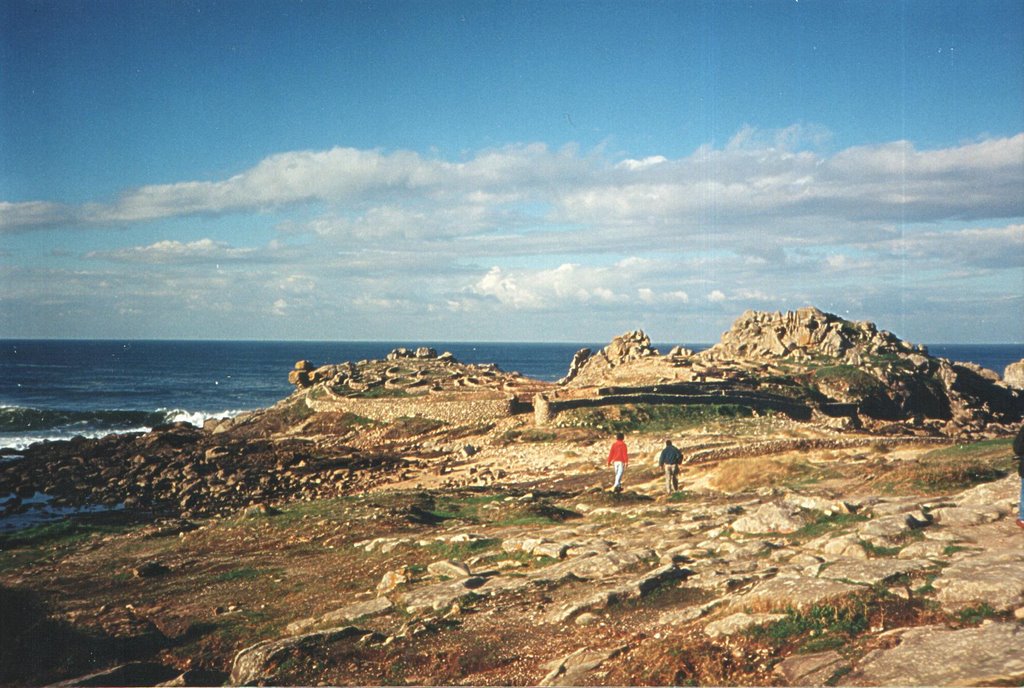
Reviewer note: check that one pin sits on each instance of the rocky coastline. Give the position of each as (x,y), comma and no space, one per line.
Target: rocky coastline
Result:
(847,508)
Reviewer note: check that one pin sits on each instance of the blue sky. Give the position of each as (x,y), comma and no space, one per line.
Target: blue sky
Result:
(533,171)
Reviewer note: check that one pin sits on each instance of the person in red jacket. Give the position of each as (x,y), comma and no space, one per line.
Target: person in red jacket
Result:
(618,457)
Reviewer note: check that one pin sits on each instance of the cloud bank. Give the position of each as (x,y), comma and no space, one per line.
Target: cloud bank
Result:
(772,219)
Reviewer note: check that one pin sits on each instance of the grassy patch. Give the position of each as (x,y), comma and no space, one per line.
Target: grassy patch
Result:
(952,468)
(972,616)
(854,380)
(826,523)
(21,547)
(461,550)
(820,627)
(653,417)
(244,573)
(878,551)
(496,510)
(737,475)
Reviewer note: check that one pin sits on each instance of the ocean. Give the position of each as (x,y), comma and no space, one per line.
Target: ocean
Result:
(56,389)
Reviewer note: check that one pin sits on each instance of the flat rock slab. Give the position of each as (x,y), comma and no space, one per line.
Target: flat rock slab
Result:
(346,614)
(938,656)
(740,621)
(442,595)
(887,530)
(873,571)
(572,670)
(799,593)
(769,518)
(966,516)
(591,567)
(1000,494)
(258,663)
(810,670)
(994,578)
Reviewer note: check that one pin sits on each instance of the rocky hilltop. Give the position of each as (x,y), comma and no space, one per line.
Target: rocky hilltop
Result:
(832,366)
(845,516)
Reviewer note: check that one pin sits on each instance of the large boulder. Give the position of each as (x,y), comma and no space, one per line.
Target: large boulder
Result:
(1013,375)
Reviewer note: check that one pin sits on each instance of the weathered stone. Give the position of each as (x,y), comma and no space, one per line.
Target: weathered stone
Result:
(346,614)
(993,578)
(885,530)
(873,571)
(924,549)
(809,670)
(257,664)
(392,579)
(768,518)
(1013,374)
(449,568)
(935,655)
(799,593)
(848,546)
(572,669)
(960,516)
(129,674)
(440,596)
(740,621)
(1001,495)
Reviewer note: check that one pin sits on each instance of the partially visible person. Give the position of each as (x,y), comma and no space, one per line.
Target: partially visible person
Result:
(669,461)
(618,457)
(1018,453)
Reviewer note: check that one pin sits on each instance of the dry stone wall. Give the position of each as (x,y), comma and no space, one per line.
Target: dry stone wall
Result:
(461,412)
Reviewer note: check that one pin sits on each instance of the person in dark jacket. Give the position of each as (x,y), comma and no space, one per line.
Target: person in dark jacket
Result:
(1018,453)
(669,461)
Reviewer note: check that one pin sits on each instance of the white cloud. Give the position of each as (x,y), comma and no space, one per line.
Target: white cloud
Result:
(170,251)
(32,215)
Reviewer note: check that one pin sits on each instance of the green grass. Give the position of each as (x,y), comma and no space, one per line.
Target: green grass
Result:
(952,468)
(820,627)
(972,616)
(21,547)
(654,417)
(878,551)
(858,382)
(826,523)
(461,550)
(245,573)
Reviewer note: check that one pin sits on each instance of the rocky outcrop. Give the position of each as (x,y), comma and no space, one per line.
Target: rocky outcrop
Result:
(260,664)
(1013,375)
(803,334)
(852,374)
(933,655)
(622,350)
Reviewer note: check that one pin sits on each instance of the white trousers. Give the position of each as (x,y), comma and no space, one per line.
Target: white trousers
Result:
(619,467)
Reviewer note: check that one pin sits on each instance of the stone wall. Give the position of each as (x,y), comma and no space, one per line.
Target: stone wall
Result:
(546,410)
(461,412)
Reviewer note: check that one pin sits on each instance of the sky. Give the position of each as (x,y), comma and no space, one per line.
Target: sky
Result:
(509,171)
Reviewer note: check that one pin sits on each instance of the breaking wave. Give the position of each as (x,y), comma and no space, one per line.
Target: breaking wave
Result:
(21,426)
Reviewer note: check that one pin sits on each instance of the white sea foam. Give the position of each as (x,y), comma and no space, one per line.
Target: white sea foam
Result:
(20,440)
